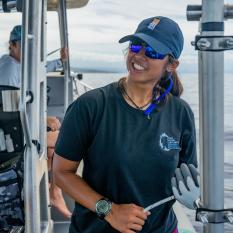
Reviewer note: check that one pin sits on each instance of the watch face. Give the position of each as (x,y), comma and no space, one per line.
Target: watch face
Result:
(102,207)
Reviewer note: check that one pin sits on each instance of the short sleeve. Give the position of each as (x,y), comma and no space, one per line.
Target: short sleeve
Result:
(188,153)
(10,72)
(74,136)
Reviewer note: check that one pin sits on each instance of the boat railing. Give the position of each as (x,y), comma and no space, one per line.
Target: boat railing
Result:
(80,87)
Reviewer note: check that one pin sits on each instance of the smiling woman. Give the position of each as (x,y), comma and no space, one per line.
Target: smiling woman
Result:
(131,135)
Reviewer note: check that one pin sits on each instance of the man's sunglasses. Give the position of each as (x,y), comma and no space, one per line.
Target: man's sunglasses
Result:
(149,52)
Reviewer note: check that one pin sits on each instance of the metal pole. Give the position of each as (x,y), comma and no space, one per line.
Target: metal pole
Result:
(64,43)
(33,110)
(211,98)
(24,73)
(24,78)
(37,216)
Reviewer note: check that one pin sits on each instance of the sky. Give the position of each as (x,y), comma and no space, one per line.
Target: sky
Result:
(95,29)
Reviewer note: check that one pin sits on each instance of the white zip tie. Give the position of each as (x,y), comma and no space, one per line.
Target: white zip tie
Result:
(158,203)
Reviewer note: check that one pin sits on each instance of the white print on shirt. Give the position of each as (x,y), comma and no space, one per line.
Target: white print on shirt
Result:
(167,143)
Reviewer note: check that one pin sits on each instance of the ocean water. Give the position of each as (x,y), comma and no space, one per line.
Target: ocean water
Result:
(190,83)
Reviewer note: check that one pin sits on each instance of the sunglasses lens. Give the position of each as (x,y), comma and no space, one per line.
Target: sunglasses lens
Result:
(149,52)
(135,48)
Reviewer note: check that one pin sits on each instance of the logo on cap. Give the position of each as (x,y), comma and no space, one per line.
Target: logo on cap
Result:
(153,24)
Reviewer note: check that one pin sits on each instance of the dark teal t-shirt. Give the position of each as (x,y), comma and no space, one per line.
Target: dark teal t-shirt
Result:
(128,158)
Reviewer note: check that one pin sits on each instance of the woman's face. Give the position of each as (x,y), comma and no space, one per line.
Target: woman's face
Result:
(143,69)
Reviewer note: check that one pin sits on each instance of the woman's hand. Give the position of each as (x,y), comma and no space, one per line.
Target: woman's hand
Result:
(127,218)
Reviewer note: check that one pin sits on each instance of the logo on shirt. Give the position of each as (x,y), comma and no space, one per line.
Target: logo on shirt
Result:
(167,143)
(153,24)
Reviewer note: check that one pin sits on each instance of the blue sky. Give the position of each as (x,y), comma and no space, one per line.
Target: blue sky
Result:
(94,31)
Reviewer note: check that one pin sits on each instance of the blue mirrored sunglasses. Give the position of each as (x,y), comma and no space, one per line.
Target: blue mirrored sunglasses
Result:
(149,52)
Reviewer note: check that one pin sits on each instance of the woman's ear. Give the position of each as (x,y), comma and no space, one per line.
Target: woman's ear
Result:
(172,65)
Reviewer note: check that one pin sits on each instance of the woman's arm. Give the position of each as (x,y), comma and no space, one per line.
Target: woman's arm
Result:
(126,218)
(65,176)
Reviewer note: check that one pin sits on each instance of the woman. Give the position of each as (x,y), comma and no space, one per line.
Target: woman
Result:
(131,136)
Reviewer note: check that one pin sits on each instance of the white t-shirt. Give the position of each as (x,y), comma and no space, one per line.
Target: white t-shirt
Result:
(10,70)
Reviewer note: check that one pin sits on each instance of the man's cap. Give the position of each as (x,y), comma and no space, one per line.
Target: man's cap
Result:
(160,33)
(16,33)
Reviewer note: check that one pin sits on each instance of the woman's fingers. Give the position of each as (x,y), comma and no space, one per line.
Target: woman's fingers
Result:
(127,217)
(135,227)
(139,221)
(141,214)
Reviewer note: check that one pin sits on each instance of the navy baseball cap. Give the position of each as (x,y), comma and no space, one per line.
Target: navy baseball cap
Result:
(16,33)
(160,33)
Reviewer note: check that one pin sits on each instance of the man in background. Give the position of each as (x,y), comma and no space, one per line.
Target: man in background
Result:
(10,63)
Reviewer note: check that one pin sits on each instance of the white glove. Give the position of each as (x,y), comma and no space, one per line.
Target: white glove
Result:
(185,186)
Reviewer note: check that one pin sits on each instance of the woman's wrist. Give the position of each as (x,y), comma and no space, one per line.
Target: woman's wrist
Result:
(109,216)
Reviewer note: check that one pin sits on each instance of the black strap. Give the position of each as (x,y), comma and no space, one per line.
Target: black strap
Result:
(212,26)
(37,144)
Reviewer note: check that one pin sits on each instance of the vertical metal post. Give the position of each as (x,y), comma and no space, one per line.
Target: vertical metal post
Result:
(62,14)
(211,99)
(37,216)
(24,78)
(24,74)
(33,116)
